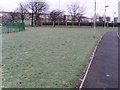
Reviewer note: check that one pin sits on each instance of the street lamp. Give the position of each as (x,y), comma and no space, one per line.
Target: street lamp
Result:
(114,20)
(94,30)
(105,17)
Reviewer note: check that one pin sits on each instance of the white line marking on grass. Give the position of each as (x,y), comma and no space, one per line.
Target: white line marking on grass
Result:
(91,59)
(118,35)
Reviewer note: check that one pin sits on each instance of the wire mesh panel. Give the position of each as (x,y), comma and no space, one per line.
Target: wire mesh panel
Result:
(13,27)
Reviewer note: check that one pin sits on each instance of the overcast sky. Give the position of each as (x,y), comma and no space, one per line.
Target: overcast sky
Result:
(9,5)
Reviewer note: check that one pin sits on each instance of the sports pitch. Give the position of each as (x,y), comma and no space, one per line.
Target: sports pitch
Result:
(47,57)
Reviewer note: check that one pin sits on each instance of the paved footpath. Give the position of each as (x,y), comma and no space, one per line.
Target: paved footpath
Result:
(103,72)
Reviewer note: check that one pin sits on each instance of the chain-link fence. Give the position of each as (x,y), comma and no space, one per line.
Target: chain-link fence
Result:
(13,27)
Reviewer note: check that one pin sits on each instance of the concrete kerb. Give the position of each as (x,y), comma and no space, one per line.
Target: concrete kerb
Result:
(91,59)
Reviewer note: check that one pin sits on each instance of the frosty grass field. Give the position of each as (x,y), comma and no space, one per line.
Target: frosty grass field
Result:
(0,58)
(46,57)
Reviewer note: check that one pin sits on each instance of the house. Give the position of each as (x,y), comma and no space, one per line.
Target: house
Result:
(86,19)
(115,19)
(108,19)
(101,19)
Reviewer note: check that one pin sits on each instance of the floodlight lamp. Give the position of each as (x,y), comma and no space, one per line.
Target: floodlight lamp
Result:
(106,6)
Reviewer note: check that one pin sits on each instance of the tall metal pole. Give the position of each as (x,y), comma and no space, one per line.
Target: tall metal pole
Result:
(60,10)
(59,4)
(94,31)
(105,18)
(114,20)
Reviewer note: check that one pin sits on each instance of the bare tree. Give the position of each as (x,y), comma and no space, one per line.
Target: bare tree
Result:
(14,16)
(6,18)
(76,12)
(22,11)
(79,17)
(56,15)
(37,8)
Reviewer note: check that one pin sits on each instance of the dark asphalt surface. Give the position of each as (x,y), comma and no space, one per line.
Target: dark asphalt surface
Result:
(103,72)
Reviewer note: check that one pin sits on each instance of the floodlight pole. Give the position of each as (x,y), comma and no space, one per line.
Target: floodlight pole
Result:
(59,4)
(94,31)
(105,17)
(114,20)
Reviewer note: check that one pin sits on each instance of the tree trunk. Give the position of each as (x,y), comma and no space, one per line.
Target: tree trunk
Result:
(66,23)
(79,23)
(35,22)
(72,22)
(32,20)
(58,23)
(41,23)
(53,23)
(39,19)
(22,18)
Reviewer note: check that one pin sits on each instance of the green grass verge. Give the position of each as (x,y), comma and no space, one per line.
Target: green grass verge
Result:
(47,57)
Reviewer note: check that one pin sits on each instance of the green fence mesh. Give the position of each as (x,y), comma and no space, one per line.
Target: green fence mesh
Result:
(13,27)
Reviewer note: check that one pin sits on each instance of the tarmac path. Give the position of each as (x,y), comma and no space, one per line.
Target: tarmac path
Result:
(103,72)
